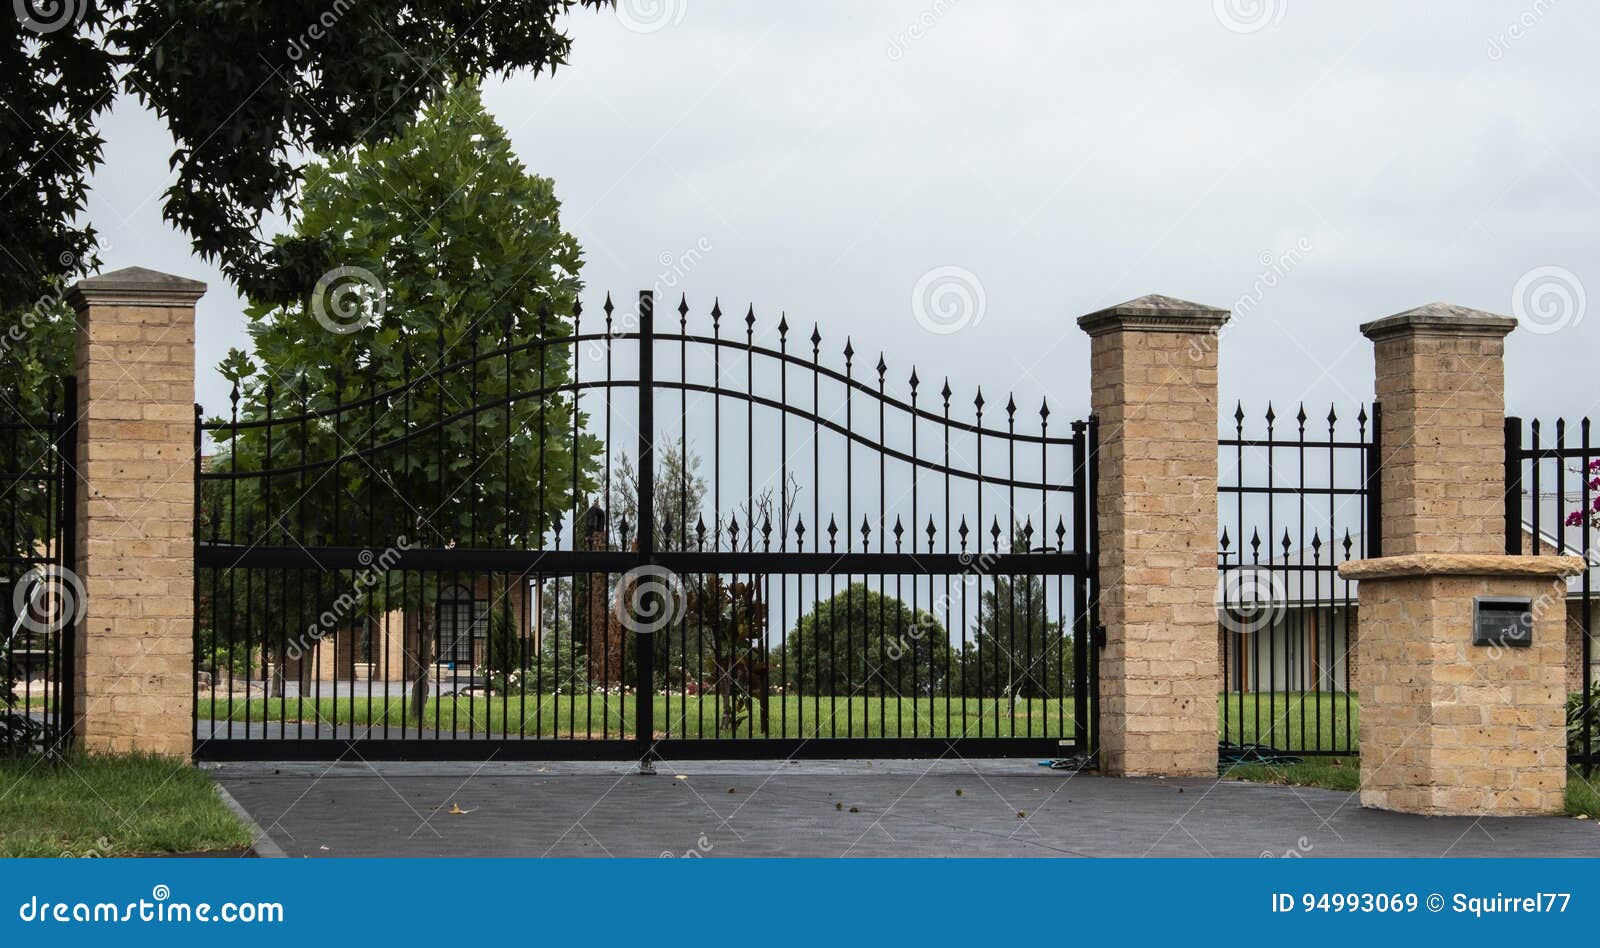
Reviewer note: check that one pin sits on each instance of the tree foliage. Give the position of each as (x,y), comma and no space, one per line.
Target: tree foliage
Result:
(1020,650)
(245,88)
(861,642)
(443,447)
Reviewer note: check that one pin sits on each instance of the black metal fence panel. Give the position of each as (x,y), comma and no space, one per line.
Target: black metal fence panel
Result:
(41,599)
(1553,507)
(1294,504)
(587,537)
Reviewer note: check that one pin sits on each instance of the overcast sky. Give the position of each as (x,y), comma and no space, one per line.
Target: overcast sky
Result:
(1326,164)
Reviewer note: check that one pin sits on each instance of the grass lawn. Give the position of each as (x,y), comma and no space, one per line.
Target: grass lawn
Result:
(602,715)
(1344,773)
(1287,720)
(105,805)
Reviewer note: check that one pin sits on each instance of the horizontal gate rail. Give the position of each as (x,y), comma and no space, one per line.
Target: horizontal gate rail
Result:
(551,562)
(824,748)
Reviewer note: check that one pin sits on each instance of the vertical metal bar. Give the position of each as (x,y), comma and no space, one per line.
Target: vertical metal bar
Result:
(581,537)
(405,578)
(517,595)
(1373,485)
(1238,524)
(783,526)
(1561,487)
(1012,683)
(1092,492)
(67,643)
(1272,533)
(605,504)
(849,523)
(1586,631)
(1081,628)
(1294,648)
(195,671)
(1513,485)
(683,513)
(948,530)
(644,651)
(1538,463)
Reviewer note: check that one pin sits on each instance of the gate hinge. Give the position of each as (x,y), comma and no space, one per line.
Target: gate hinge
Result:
(1098,636)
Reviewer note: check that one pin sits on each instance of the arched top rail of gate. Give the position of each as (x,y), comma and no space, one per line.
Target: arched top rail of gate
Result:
(471,445)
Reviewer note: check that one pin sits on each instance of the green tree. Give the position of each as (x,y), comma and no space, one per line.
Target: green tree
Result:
(444,436)
(1019,650)
(861,642)
(246,89)
(406,429)
(35,361)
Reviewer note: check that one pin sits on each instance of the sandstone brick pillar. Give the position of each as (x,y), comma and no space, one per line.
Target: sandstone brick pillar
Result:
(135,515)
(1153,376)
(1440,374)
(1449,727)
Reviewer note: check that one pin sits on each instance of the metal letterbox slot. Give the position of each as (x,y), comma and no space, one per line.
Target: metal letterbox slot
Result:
(1502,621)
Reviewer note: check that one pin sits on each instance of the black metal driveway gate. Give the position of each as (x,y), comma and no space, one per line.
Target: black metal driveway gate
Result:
(593,539)
(41,598)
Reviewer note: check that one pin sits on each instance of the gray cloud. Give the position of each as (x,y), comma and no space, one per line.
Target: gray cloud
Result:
(1071,156)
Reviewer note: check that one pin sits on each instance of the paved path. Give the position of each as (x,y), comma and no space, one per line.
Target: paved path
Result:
(855,808)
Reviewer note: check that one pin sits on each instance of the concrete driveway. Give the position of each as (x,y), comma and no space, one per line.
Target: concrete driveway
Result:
(850,808)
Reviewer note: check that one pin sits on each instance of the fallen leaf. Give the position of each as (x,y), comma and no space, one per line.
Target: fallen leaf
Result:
(680,777)
(855,809)
(455,810)
(958,791)
(838,806)
(1021,815)
(731,790)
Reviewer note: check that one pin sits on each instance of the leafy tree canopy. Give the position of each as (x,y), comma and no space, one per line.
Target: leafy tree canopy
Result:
(451,250)
(861,642)
(245,88)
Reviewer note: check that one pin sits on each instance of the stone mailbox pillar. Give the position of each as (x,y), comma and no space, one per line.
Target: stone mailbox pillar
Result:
(1453,722)
(1153,379)
(134,359)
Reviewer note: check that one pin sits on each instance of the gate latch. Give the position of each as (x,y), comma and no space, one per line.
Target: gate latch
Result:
(1098,636)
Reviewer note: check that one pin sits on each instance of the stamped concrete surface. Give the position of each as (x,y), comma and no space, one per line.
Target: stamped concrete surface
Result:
(847,808)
